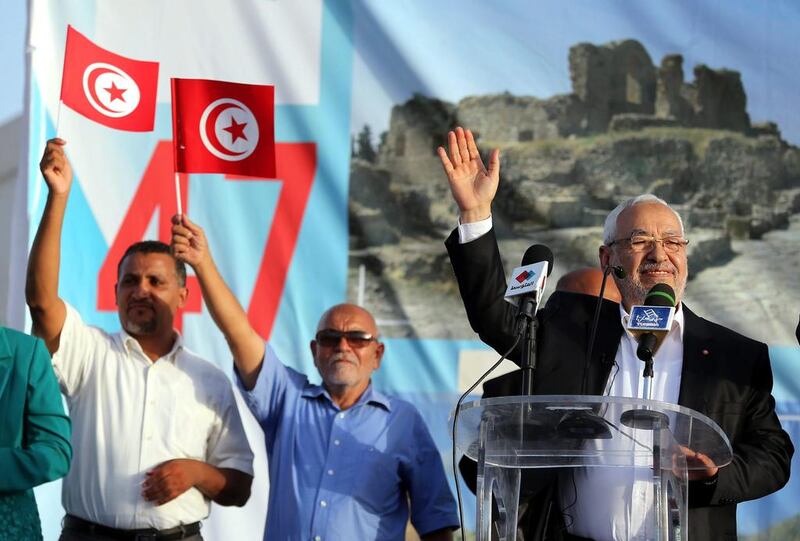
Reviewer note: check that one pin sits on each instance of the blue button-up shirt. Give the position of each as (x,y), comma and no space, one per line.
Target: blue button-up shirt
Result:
(345,474)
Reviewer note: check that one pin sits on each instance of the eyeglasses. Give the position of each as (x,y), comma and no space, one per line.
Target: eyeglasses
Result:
(356,339)
(645,243)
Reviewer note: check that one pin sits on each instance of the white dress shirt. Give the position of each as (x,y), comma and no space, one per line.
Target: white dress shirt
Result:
(130,414)
(596,502)
(599,503)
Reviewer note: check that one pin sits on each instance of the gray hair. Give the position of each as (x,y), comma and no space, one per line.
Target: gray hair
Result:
(610,227)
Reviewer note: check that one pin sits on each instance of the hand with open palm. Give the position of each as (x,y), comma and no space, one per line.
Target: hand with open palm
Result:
(472,184)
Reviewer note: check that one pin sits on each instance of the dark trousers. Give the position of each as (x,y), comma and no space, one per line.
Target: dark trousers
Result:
(80,536)
(77,529)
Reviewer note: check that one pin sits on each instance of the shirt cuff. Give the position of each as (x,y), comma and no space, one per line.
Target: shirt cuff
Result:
(473,230)
(239,464)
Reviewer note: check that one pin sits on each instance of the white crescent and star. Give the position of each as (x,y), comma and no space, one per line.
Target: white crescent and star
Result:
(109,90)
(228,129)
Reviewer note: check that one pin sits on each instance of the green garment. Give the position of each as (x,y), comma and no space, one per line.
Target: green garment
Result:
(34,432)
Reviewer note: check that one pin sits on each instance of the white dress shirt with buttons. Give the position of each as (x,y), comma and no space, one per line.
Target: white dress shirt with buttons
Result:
(598,505)
(130,414)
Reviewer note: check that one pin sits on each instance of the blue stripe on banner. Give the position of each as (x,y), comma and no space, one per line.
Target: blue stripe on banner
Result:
(323,239)
(756,516)
(786,375)
(417,366)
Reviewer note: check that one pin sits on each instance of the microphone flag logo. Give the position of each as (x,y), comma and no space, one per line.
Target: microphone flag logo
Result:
(524,275)
(651,318)
(223,127)
(112,90)
(525,280)
(648,316)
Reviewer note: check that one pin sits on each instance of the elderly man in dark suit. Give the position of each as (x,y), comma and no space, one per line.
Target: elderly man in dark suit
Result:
(700,365)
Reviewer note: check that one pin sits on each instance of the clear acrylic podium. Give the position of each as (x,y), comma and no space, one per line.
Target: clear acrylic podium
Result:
(649,439)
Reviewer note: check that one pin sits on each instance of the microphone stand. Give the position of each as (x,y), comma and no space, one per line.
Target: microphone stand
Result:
(586,424)
(655,422)
(527,327)
(595,320)
(647,375)
(645,418)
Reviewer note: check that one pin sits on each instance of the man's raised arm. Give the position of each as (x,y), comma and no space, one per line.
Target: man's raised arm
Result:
(41,287)
(189,244)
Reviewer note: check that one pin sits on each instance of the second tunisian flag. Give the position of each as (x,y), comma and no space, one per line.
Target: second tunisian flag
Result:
(223,127)
(113,90)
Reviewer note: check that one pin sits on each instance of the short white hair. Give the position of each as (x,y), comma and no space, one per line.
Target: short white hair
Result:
(610,227)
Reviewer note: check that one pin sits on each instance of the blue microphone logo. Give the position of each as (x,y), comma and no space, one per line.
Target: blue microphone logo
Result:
(650,318)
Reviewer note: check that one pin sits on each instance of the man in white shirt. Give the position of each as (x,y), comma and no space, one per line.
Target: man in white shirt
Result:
(701,365)
(156,431)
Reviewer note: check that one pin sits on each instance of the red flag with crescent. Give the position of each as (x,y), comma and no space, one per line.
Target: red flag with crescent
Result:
(223,127)
(110,89)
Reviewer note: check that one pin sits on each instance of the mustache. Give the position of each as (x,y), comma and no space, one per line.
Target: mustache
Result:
(649,267)
(142,303)
(343,356)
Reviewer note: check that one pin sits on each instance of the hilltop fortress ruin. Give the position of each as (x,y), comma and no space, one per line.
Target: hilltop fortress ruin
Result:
(628,127)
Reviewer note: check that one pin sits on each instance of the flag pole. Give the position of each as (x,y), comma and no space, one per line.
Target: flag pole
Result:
(178,193)
(58,118)
(175,143)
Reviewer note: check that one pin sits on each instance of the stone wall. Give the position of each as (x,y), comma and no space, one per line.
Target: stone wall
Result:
(690,143)
(612,79)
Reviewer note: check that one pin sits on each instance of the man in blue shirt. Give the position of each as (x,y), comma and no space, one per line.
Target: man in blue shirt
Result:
(345,461)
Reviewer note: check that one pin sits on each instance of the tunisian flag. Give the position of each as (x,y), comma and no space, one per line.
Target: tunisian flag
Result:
(110,89)
(223,127)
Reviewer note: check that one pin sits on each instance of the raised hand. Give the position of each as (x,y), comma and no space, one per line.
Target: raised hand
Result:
(189,242)
(472,184)
(55,167)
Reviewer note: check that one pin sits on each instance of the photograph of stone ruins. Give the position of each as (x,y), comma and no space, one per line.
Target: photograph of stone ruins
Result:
(628,127)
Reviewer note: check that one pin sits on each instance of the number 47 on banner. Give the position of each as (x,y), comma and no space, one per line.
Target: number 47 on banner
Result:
(296,167)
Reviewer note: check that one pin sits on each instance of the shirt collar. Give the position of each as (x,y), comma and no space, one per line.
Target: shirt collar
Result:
(370,396)
(677,320)
(132,344)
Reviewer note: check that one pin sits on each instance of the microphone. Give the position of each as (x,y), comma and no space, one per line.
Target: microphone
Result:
(650,323)
(620,273)
(529,280)
(525,291)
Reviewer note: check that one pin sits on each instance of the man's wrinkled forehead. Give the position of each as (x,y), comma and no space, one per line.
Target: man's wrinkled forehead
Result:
(350,316)
(648,219)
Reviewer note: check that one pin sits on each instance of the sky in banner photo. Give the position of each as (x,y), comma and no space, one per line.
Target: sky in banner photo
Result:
(449,49)
(12,58)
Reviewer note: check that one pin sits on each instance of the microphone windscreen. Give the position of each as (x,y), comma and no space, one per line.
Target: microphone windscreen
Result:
(660,295)
(537,253)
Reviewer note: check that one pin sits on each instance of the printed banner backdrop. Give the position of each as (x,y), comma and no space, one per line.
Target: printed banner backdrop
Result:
(589,103)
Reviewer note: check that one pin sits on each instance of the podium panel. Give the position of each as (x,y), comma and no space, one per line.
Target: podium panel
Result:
(648,438)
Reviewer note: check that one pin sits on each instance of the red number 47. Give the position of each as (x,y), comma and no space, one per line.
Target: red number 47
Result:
(297,165)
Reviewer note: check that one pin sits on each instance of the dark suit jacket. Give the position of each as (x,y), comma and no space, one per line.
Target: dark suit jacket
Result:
(725,376)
